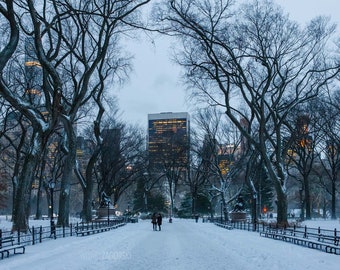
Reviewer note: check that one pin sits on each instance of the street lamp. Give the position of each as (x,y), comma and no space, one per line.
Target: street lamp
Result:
(221,212)
(146,176)
(108,213)
(51,185)
(302,213)
(255,211)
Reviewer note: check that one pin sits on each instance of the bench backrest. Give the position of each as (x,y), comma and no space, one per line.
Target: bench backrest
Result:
(6,240)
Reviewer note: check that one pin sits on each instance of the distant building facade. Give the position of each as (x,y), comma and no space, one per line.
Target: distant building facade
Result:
(33,74)
(111,152)
(168,138)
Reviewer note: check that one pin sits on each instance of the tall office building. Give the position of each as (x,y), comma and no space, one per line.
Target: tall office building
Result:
(33,72)
(111,149)
(168,139)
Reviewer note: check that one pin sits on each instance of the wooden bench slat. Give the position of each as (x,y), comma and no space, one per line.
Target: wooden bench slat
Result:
(89,231)
(331,247)
(5,250)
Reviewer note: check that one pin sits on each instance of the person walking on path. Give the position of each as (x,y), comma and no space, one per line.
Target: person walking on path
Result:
(159,220)
(154,222)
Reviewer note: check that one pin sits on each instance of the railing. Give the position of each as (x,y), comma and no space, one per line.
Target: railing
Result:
(80,226)
(244,225)
(295,229)
(316,238)
(38,234)
(317,234)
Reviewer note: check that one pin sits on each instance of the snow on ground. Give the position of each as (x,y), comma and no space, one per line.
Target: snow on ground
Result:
(182,244)
(323,224)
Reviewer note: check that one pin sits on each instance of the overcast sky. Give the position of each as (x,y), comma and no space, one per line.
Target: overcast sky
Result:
(154,84)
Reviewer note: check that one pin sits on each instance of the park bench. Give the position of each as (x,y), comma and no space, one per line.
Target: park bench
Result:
(92,230)
(7,245)
(327,243)
(329,239)
(225,226)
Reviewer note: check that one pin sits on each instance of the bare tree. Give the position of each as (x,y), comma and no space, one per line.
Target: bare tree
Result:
(149,179)
(301,149)
(259,59)
(82,46)
(73,42)
(41,126)
(13,143)
(171,160)
(221,155)
(95,135)
(328,111)
(121,161)
(198,175)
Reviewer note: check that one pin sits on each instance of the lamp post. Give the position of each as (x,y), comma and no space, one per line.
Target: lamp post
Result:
(254,211)
(51,185)
(302,214)
(221,212)
(108,213)
(145,196)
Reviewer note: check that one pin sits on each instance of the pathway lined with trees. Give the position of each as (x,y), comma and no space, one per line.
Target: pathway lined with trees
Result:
(268,133)
(182,244)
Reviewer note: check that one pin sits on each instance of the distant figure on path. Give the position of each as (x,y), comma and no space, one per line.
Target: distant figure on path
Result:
(154,222)
(159,220)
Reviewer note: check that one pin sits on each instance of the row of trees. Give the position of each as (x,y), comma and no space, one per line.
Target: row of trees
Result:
(226,168)
(77,46)
(259,67)
(222,168)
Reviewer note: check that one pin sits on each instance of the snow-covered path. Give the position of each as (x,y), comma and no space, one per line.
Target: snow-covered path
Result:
(180,245)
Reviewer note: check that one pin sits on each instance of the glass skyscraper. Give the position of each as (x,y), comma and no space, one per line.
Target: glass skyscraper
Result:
(168,139)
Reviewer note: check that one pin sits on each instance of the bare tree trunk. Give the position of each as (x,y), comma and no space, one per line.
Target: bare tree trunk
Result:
(244,61)
(22,201)
(65,190)
(193,204)
(69,164)
(307,197)
(333,202)
(15,180)
(87,203)
(282,208)
(38,213)
(279,180)
(171,198)
(88,191)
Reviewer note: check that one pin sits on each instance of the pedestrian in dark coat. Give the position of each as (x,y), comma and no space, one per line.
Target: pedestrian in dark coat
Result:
(159,220)
(154,222)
